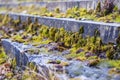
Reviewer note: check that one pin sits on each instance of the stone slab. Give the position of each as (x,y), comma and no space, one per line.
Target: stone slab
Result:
(13,50)
(108,31)
(62,5)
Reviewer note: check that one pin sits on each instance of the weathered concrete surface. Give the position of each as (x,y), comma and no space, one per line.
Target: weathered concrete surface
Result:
(14,50)
(62,5)
(109,31)
(75,69)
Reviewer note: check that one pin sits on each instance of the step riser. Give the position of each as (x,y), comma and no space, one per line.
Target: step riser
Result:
(109,31)
(14,52)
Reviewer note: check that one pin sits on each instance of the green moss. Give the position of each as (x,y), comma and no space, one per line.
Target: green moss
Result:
(5,20)
(92,57)
(57,10)
(118,42)
(13,63)
(58,61)
(45,32)
(52,32)
(116,9)
(17,22)
(117,19)
(98,8)
(57,36)
(73,12)
(74,55)
(50,14)
(1,17)
(36,40)
(32,66)
(37,34)
(9,75)
(111,63)
(30,28)
(110,53)
(80,56)
(18,38)
(83,11)
(114,63)
(81,30)
(3,9)
(3,56)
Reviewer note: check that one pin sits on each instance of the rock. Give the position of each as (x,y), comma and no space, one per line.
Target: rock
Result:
(75,69)
(102,55)
(47,45)
(66,52)
(54,44)
(61,44)
(116,77)
(80,58)
(78,51)
(60,48)
(40,46)
(69,58)
(2,77)
(117,55)
(88,54)
(59,68)
(52,48)
(114,71)
(75,79)
(64,63)
(93,63)
(83,19)
(44,71)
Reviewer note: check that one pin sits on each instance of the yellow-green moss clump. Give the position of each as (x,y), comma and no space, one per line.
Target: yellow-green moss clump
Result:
(3,56)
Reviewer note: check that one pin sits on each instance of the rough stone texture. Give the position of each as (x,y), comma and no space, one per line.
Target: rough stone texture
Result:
(74,69)
(15,52)
(109,31)
(63,5)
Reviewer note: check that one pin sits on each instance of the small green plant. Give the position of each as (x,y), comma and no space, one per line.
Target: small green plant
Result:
(116,9)
(3,56)
(81,30)
(13,63)
(110,53)
(32,66)
(5,20)
(52,32)
(98,8)
(57,10)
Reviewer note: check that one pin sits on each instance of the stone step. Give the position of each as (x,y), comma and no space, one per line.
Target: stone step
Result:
(108,31)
